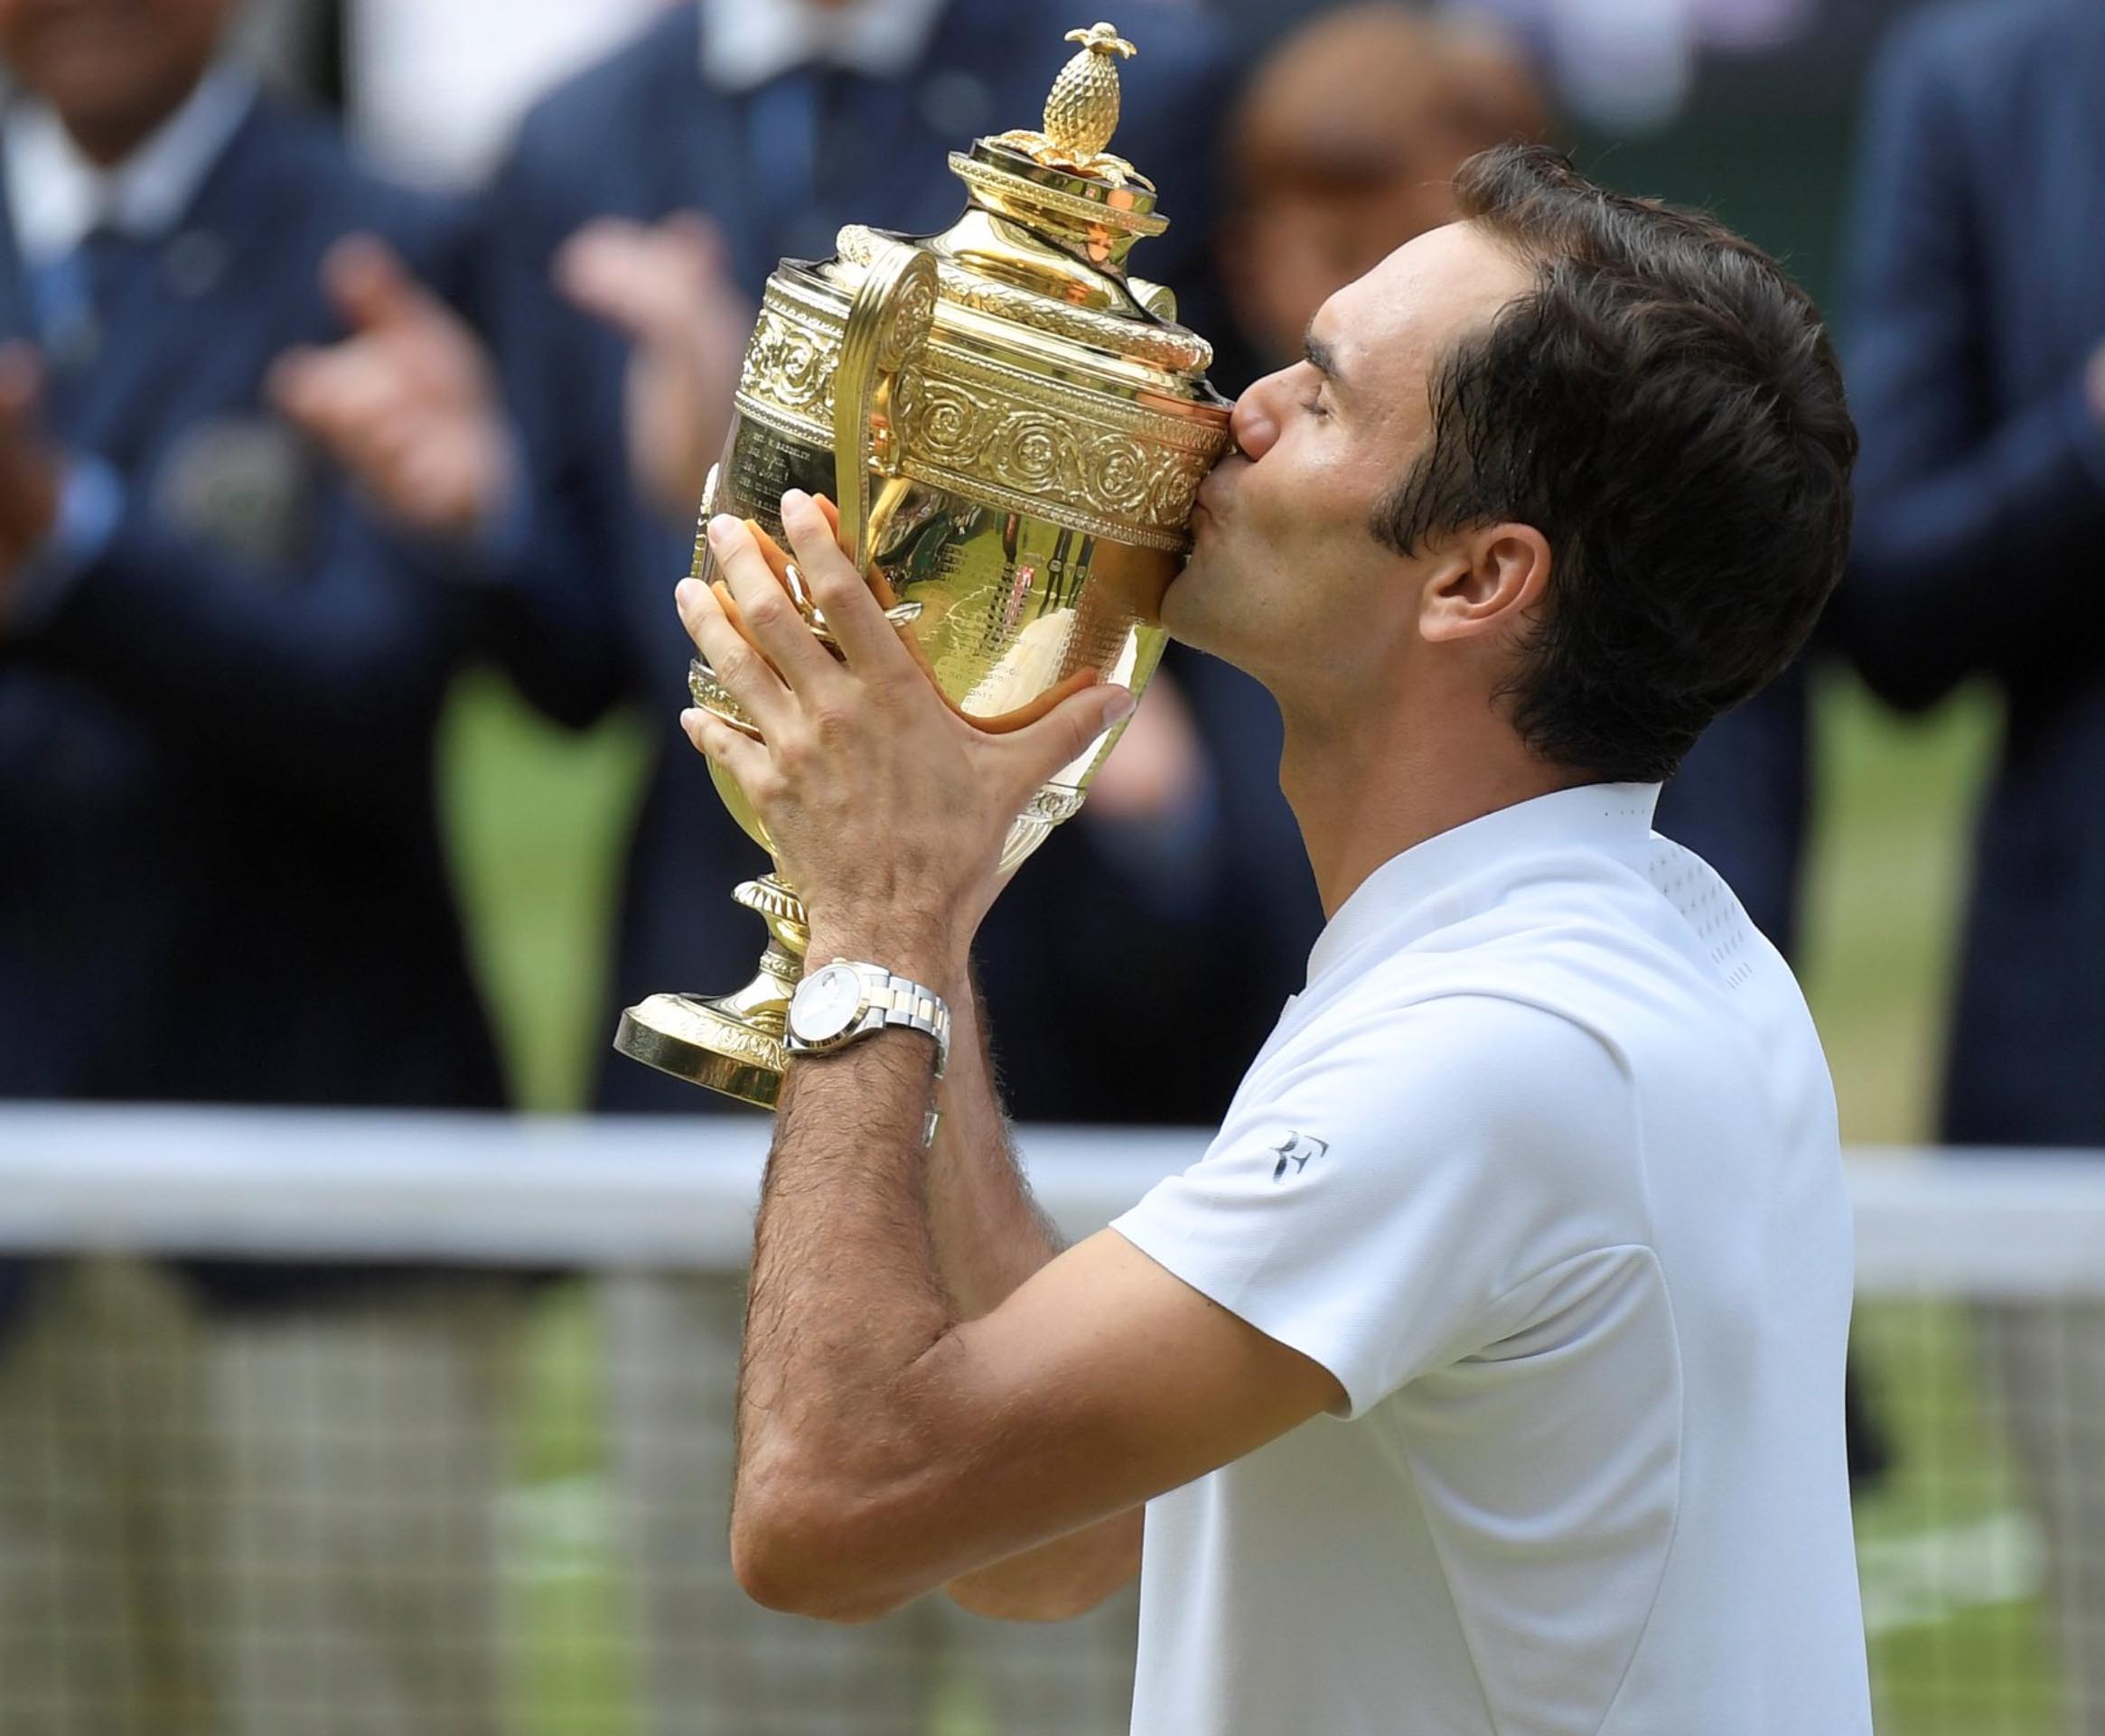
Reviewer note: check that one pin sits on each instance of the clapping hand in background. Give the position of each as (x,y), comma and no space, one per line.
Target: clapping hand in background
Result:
(408,403)
(668,287)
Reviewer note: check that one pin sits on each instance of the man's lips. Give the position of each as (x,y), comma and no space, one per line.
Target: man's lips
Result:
(1209,497)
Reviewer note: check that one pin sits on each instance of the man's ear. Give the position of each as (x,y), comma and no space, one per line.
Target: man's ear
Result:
(1487,581)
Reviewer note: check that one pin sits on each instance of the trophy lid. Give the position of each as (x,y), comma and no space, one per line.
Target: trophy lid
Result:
(1063,177)
(1010,361)
(1050,220)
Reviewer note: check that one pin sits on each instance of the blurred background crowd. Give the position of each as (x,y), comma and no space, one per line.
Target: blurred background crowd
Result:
(363,362)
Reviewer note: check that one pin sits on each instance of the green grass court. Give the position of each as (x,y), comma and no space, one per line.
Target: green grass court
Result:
(1949,1558)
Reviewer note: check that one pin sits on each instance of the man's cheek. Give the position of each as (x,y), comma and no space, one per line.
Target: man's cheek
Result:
(1261,518)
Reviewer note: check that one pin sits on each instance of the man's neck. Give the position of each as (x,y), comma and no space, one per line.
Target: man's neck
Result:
(107,140)
(1366,787)
(58,196)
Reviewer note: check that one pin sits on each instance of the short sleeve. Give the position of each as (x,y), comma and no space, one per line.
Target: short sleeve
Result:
(1384,1183)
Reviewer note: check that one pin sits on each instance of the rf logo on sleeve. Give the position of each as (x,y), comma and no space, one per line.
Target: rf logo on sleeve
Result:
(1296,1149)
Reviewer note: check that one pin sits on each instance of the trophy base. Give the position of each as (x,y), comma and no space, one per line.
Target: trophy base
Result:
(731,1043)
(707,1042)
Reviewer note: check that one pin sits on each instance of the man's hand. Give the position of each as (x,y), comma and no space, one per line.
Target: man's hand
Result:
(407,404)
(887,809)
(669,289)
(31,470)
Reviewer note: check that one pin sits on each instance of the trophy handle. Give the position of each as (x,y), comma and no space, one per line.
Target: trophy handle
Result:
(888,322)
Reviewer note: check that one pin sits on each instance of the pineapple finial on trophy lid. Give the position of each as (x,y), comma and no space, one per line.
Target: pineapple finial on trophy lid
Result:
(1083,111)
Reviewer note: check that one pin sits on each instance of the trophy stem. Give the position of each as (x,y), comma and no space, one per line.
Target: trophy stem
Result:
(731,1043)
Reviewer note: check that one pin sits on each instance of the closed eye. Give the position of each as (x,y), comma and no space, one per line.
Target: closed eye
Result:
(1321,360)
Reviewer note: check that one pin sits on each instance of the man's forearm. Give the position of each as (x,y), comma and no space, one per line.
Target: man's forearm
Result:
(844,1302)
(867,1252)
(989,1236)
(989,1233)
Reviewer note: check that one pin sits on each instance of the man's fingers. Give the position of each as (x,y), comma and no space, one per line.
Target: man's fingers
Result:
(652,283)
(369,285)
(743,757)
(610,269)
(766,614)
(852,616)
(745,673)
(289,382)
(337,394)
(303,386)
(699,241)
(590,268)
(1065,734)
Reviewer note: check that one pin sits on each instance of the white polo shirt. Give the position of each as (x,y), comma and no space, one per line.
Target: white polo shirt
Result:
(1542,1166)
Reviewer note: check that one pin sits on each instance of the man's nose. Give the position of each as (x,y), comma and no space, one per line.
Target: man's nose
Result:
(1255,421)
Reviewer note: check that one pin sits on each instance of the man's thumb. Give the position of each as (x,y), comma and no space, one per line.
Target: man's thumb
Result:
(1070,730)
(369,284)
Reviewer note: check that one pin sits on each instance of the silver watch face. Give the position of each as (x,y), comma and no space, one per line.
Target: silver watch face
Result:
(826,1003)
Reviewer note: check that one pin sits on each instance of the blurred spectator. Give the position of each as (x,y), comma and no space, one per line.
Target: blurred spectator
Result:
(1343,147)
(434,89)
(1633,65)
(1978,372)
(295,45)
(221,879)
(630,235)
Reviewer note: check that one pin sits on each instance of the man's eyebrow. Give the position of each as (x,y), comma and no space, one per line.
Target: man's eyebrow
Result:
(1321,356)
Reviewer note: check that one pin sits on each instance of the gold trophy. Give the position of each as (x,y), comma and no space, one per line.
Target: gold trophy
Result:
(1013,429)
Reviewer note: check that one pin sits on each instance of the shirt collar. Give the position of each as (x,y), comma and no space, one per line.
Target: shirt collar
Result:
(746,43)
(1608,818)
(57,196)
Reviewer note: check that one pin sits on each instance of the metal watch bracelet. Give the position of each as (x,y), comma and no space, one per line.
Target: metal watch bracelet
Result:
(919,1009)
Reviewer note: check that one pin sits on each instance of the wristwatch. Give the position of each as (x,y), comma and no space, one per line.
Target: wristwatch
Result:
(846,1000)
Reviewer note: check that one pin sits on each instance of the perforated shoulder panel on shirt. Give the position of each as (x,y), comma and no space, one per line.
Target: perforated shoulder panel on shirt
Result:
(1708,906)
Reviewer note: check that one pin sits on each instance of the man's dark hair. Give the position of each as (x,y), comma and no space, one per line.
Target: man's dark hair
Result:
(1665,407)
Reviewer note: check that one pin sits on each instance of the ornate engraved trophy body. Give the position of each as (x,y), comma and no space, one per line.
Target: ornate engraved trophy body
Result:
(1012,429)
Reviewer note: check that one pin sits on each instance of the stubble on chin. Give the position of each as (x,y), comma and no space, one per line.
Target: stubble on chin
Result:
(1187,616)
(1177,594)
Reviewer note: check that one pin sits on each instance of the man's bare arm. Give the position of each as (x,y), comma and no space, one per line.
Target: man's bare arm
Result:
(985,1235)
(989,1236)
(888,1444)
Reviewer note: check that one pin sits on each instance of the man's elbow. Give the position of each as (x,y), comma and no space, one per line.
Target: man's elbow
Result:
(1056,1582)
(989,1595)
(793,1552)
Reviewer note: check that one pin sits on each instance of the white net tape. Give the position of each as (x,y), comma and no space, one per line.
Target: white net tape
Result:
(678,1192)
(448,1500)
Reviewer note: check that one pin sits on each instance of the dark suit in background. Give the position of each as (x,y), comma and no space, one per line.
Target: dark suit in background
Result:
(222,725)
(1742,800)
(221,880)
(1128,977)
(1978,300)
(1978,303)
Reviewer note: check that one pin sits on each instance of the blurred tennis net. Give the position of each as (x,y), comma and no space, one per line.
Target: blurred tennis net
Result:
(381,1426)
